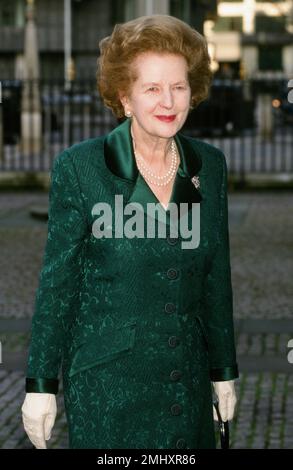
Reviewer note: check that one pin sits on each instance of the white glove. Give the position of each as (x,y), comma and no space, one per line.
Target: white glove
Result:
(227,399)
(38,414)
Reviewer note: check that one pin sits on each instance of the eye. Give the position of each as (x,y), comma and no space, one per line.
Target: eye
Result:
(180,87)
(153,88)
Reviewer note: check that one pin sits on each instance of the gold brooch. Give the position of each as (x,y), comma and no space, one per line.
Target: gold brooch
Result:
(195,180)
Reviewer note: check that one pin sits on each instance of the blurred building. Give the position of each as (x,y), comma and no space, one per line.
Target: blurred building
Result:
(252,38)
(91,21)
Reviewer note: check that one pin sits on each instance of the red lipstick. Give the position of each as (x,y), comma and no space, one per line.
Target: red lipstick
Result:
(166,118)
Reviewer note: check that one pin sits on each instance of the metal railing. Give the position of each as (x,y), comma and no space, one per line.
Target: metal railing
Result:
(250,121)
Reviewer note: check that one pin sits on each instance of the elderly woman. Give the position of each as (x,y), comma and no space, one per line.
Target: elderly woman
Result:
(143,325)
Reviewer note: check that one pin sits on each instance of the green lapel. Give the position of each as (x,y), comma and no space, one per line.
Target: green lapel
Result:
(120,160)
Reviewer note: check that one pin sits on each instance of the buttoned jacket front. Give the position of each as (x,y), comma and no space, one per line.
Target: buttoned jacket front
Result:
(140,325)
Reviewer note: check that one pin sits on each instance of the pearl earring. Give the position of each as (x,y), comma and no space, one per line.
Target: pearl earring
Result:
(128,113)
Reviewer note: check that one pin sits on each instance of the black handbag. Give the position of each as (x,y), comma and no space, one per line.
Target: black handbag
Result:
(223,427)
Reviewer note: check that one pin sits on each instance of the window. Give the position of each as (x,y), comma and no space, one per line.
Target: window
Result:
(117,11)
(270,57)
(228,23)
(180,9)
(7,13)
(270,24)
(12,13)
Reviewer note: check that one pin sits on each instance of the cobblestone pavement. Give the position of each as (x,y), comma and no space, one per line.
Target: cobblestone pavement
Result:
(261,241)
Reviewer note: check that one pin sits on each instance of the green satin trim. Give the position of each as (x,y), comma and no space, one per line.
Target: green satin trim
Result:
(224,373)
(120,160)
(33,385)
(119,153)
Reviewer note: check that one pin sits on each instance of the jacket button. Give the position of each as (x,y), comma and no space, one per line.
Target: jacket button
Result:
(171,240)
(175,374)
(176,409)
(170,307)
(173,341)
(172,273)
(181,443)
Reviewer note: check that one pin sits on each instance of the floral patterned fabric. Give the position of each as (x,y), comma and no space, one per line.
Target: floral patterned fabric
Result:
(140,326)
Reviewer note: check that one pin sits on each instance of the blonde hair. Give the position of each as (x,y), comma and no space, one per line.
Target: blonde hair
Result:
(156,33)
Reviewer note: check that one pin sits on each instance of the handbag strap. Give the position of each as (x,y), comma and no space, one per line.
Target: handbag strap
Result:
(223,427)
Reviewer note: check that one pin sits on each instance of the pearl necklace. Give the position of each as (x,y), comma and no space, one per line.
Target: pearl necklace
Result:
(150,176)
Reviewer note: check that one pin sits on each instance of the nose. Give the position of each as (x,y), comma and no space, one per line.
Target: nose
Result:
(167,99)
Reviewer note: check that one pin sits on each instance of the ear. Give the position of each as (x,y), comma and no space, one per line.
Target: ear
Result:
(123,98)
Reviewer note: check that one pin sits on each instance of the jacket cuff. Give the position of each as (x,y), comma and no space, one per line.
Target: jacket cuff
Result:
(224,373)
(33,385)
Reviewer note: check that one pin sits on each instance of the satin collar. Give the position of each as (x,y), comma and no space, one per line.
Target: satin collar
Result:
(120,160)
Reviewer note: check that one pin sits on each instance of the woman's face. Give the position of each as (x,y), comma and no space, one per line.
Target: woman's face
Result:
(160,97)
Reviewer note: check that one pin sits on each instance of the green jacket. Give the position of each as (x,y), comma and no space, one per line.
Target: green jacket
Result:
(140,326)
